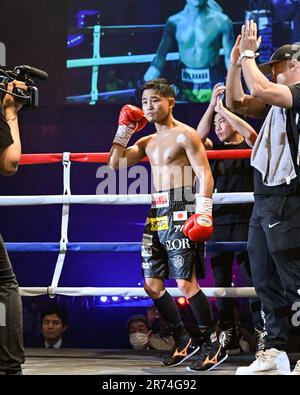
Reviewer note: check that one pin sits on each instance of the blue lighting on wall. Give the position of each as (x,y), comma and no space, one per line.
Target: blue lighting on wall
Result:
(74,40)
(83,14)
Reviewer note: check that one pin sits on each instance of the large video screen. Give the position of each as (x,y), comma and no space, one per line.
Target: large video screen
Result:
(116,45)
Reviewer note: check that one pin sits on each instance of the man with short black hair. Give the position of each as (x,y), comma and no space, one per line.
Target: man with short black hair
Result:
(231,222)
(273,242)
(54,324)
(178,222)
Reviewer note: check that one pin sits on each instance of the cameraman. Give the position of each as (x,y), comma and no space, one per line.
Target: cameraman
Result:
(11,328)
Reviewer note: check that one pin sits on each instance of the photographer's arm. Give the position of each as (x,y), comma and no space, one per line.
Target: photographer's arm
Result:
(10,157)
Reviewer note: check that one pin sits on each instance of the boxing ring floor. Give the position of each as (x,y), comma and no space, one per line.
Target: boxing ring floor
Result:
(120,362)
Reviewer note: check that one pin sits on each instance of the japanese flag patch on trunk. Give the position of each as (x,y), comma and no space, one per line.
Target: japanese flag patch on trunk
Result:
(179,215)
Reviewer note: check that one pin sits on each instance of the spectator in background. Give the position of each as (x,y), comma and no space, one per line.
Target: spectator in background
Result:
(54,324)
(141,336)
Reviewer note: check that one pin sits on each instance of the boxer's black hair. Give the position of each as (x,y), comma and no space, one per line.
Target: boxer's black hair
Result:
(160,85)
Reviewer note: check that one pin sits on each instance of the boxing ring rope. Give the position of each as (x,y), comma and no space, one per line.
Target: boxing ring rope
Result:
(102,157)
(64,245)
(237,292)
(218,198)
(113,247)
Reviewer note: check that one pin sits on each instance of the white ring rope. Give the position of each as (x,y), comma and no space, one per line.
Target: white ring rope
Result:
(238,292)
(64,220)
(109,60)
(218,198)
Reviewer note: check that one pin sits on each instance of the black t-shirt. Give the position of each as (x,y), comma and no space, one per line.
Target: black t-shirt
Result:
(293,130)
(232,175)
(5,134)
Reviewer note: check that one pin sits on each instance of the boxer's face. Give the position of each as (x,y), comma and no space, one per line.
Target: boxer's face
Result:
(223,129)
(156,107)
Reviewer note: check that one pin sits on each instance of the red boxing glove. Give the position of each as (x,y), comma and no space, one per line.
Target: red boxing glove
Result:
(131,119)
(199,227)
(131,114)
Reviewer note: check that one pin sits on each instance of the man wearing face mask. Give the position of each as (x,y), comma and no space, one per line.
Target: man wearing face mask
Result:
(141,336)
(138,330)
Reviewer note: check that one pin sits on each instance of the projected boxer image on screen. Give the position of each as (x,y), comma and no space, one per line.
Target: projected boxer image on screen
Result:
(113,47)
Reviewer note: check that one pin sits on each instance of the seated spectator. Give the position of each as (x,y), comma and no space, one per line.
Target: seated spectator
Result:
(141,336)
(54,324)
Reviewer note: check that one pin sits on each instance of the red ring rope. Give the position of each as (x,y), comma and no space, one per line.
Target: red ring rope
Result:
(102,157)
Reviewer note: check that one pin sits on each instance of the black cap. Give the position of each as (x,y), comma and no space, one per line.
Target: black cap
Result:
(285,52)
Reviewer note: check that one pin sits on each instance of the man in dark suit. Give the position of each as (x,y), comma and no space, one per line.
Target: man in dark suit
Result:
(54,324)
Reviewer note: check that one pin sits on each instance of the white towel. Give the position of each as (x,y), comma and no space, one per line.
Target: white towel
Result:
(271,154)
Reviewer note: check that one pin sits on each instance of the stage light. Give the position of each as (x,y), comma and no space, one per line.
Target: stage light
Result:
(74,40)
(182,301)
(103,299)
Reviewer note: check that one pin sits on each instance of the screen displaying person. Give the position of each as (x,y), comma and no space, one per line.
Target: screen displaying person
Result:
(199,32)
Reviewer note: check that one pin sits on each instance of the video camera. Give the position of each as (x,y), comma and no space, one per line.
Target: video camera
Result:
(29,98)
